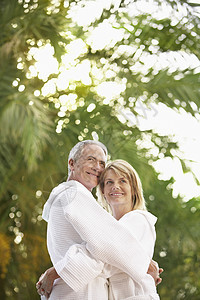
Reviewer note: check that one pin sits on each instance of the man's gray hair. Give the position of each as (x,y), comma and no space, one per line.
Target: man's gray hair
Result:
(75,152)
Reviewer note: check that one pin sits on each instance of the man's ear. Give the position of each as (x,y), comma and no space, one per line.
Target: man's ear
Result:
(71,164)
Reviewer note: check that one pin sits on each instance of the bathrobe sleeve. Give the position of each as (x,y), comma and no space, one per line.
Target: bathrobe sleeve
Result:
(78,267)
(106,239)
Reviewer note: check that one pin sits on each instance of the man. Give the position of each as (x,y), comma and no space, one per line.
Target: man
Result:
(80,270)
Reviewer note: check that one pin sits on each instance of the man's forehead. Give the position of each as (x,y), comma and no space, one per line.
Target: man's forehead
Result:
(95,151)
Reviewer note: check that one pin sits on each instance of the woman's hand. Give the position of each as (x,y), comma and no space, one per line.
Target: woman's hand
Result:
(45,282)
(155,271)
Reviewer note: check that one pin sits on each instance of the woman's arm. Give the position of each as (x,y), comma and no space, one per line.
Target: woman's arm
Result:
(45,282)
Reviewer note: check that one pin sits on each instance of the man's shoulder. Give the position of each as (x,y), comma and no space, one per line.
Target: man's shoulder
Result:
(70,189)
(64,187)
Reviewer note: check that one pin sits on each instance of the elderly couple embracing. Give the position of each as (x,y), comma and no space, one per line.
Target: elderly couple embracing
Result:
(96,254)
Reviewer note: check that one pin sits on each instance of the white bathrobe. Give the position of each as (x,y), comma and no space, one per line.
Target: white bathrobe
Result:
(78,224)
(121,286)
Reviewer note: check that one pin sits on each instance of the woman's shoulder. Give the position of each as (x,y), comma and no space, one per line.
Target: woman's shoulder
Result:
(140,214)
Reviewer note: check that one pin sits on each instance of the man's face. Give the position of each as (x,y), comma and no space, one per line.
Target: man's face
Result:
(88,166)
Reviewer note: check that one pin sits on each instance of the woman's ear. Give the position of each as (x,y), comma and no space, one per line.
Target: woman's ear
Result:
(134,199)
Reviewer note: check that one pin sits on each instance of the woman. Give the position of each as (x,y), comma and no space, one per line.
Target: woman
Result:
(120,186)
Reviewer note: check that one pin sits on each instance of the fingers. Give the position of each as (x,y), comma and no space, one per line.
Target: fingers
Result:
(47,295)
(41,292)
(39,288)
(158,281)
(41,277)
(38,285)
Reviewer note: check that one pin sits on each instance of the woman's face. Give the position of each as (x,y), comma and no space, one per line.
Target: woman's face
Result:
(117,190)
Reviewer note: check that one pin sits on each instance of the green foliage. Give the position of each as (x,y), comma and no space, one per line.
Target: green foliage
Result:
(35,138)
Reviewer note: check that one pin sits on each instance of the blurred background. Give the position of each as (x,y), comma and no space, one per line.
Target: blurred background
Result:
(124,72)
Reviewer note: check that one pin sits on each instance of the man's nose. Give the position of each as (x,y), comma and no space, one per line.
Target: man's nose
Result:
(98,166)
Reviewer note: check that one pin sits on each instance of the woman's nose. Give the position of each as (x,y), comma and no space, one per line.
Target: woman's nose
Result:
(115,186)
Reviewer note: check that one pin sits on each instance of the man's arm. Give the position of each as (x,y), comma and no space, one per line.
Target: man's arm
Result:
(77,269)
(105,237)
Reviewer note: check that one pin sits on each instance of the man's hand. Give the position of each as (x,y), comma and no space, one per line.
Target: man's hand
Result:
(45,282)
(155,271)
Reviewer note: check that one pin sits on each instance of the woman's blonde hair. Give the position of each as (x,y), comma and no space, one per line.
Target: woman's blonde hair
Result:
(123,168)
